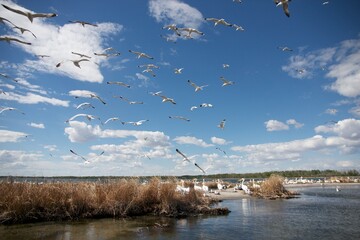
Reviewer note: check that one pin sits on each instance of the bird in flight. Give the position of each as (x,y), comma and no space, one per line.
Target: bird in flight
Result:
(30,15)
(285,49)
(84,105)
(88,116)
(119,83)
(222,124)
(148,66)
(97,97)
(22,30)
(138,123)
(81,55)
(111,119)
(11,39)
(221,150)
(78,155)
(75,62)
(2,109)
(178,70)
(285,5)
(237,27)
(2,20)
(226,82)
(8,77)
(206,105)
(83,23)
(149,70)
(183,155)
(165,99)
(173,28)
(218,21)
(200,168)
(127,100)
(190,30)
(180,117)
(141,54)
(197,88)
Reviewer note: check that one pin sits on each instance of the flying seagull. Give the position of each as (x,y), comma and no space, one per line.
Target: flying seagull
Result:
(221,150)
(222,124)
(83,23)
(119,83)
(2,20)
(218,21)
(22,30)
(141,54)
(173,28)
(206,105)
(30,15)
(197,88)
(178,70)
(285,5)
(200,168)
(111,119)
(193,108)
(84,105)
(88,116)
(81,55)
(237,27)
(226,82)
(180,117)
(149,70)
(191,30)
(78,155)
(285,49)
(9,39)
(225,65)
(10,109)
(97,97)
(165,99)
(8,77)
(75,62)
(183,155)
(138,123)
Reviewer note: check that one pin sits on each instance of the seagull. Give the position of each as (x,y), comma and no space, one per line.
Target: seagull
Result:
(225,65)
(127,100)
(156,93)
(8,77)
(180,117)
(226,82)
(84,105)
(326,2)
(10,109)
(148,66)
(138,123)
(119,83)
(9,39)
(221,150)
(107,54)
(22,30)
(206,105)
(75,62)
(149,70)
(165,99)
(285,49)
(30,15)
(83,23)
(285,4)
(178,70)
(140,54)
(2,20)
(218,21)
(111,119)
(78,155)
(183,155)
(193,108)
(42,55)
(191,30)
(81,55)
(199,168)
(97,97)
(222,124)
(88,116)
(237,27)
(173,28)
(237,1)
(197,88)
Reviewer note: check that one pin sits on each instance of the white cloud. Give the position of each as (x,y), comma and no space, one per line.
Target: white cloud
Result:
(192,140)
(218,141)
(347,129)
(275,125)
(331,111)
(36,125)
(31,98)
(295,123)
(82,132)
(59,41)
(11,136)
(177,12)
(81,93)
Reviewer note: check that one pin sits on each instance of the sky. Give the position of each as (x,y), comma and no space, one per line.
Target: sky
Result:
(286,110)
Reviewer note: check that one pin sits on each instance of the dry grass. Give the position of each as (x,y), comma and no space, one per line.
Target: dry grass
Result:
(28,202)
(272,188)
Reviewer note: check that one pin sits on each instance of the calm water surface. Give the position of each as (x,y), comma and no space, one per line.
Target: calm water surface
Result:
(319,213)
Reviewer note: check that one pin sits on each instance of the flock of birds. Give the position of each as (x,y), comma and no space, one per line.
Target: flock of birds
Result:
(184,32)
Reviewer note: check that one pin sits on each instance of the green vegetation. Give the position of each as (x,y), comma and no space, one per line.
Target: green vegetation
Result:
(32,202)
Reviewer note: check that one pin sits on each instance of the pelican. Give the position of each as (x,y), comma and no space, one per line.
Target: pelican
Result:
(83,23)
(127,100)
(222,124)
(88,116)
(97,97)
(183,155)
(226,82)
(111,119)
(84,105)
(244,187)
(197,88)
(78,155)
(9,39)
(138,123)
(81,55)
(285,4)
(119,83)
(148,66)
(10,109)
(75,62)
(141,54)
(30,15)
(206,105)
(180,117)
(218,21)
(191,30)
(173,28)
(237,27)
(22,30)
(285,49)
(178,70)
(149,70)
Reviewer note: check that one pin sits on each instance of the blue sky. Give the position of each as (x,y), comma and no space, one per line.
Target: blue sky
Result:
(286,110)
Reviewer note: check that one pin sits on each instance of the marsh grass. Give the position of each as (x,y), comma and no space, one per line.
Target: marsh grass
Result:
(29,202)
(273,188)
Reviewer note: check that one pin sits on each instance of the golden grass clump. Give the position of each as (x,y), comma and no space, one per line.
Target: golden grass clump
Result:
(31,202)
(272,188)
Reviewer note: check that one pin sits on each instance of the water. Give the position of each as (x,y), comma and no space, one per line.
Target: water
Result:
(319,213)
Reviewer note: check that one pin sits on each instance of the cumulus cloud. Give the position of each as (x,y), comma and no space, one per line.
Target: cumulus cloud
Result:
(218,141)
(36,125)
(275,125)
(59,41)
(31,98)
(11,136)
(347,129)
(294,123)
(192,140)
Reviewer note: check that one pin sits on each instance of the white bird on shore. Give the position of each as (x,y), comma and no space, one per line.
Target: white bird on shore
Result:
(30,15)
(85,105)
(141,54)
(244,187)
(88,116)
(119,83)
(218,21)
(197,88)
(3,109)
(226,82)
(222,124)
(180,117)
